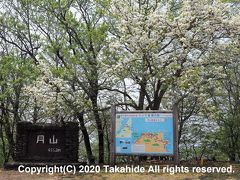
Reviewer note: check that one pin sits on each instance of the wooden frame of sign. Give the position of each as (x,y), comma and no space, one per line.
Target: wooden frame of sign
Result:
(113,152)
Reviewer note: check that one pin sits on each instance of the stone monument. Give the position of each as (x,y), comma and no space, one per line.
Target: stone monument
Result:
(47,142)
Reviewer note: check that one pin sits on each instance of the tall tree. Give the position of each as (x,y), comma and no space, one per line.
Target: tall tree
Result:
(77,45)
(223,103)
(156,47)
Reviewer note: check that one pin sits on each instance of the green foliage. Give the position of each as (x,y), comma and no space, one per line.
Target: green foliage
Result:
(15,72)
(231,1)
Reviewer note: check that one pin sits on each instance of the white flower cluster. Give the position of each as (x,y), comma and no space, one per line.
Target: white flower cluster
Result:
(51,93)
(154,35)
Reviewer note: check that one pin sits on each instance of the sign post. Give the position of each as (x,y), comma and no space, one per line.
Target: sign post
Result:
(112,147)
(175,116)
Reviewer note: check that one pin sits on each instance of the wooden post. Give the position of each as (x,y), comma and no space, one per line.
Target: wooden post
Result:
(175,127)
(112,146)
(201,161)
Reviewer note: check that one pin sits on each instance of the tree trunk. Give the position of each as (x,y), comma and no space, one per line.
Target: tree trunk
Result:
(157,100)
(99,129)
(108,144)
(232,157)
(83,128)
(141,95)
(10,138)
(5,156)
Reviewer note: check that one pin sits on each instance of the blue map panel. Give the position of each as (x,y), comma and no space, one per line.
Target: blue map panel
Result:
(144,133)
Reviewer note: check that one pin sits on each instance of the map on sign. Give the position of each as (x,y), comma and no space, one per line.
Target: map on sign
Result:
(144,133)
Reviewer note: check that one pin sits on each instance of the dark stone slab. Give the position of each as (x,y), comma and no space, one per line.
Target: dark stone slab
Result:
(47,142)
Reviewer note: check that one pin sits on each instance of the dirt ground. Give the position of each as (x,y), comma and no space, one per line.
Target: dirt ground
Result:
(15,175)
